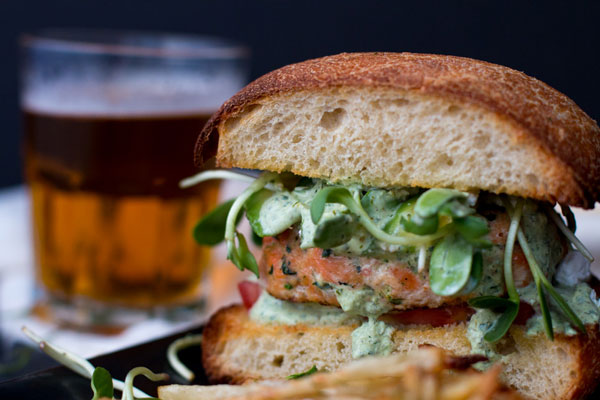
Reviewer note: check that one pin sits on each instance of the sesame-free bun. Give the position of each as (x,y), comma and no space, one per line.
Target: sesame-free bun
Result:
(236,349)
(402,119)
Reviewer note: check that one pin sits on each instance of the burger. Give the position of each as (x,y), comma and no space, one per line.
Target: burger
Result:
(405,200)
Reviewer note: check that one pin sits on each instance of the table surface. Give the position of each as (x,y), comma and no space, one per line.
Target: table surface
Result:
(17,289)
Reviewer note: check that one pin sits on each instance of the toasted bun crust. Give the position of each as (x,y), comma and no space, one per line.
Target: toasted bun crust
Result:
(236,350)
(402,119)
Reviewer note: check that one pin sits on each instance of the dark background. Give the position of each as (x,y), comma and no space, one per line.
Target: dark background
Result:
(557,42)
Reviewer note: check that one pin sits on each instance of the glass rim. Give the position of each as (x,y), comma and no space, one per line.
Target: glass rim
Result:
(78,40)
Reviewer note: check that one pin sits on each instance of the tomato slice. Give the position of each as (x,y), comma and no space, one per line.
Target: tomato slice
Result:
(442,316)
(430,316)
(250,292)
(525,312)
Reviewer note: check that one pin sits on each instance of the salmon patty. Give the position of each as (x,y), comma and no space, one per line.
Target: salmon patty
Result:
(313,275)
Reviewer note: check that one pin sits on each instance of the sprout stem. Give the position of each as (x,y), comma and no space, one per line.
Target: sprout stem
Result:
(214,174)
(72,361)
(75,363)
(541,280)
(567,232)
(571,223)
(538,277)
(175,347)
(128,390)
(515,219)
(422,258)
(404,240)
(239,203)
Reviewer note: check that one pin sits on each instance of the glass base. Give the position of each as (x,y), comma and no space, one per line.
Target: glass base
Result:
(87,314)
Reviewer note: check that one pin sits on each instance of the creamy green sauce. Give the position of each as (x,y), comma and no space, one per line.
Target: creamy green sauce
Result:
(268,309)
(279,212)
(492,278)
(284,209)
(371,338)
(364,302)
(478,325)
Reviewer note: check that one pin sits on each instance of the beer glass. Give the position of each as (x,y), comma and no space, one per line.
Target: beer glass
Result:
(110,121)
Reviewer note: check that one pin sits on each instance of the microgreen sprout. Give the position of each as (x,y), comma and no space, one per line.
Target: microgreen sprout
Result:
(542,283)
(128,390)
(215,174)
(450,265)
(569,233)
(571,223)
(510,307)
(422,258)
(476,274)
(508,249)
(210,230)
(175,347)
(102,385)
(74,362)
(70,360)
(341,195)
(239,253)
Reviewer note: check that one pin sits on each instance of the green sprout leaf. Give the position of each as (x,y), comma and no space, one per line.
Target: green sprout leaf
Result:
(430,202)
(471,227)
(241,256)
(210,230)
(571,223)
(379,199)
(420,226)
(311,371)
(456,209)
(404,211)
(450,265)
(503,323)
(508,309)
(493,303)
(335,231)
(253,206)
(244,256)
(343,196)
(476,274)
(102,384)
(564,306)
(257,240)
(546,316)
(331,194)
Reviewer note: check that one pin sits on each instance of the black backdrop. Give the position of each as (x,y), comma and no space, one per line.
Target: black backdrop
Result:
(557,42)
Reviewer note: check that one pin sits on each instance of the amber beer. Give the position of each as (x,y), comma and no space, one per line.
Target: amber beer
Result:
(110,222)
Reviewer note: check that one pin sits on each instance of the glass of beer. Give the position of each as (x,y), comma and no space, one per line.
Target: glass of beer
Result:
(110,122)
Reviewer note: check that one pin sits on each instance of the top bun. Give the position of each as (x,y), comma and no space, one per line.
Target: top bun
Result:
(402,119)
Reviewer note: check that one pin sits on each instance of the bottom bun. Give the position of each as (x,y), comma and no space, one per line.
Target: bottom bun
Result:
(236,349)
